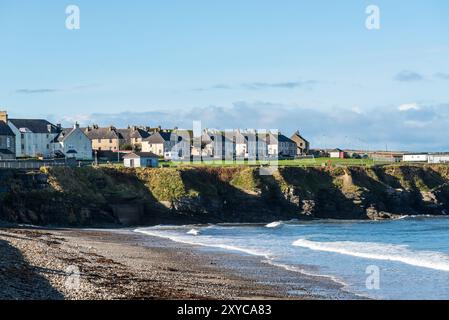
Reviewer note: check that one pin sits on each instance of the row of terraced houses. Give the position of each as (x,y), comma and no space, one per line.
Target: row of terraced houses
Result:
(30,138)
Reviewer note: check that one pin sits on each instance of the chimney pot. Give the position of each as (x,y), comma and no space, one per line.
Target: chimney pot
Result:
(4,116)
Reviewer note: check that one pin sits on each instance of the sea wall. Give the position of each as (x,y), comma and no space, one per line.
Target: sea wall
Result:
(116,197)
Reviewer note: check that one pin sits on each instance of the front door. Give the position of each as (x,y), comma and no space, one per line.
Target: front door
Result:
(131,163)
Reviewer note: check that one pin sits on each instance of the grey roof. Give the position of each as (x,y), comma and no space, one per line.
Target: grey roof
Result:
(6,151)
(5,130)
(63,134)
(133,133)
(102,133)
(35,125)
(298,135)
(159,137)
(134,155)
(282,138)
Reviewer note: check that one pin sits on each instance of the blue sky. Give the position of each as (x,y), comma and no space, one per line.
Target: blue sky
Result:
(307,65)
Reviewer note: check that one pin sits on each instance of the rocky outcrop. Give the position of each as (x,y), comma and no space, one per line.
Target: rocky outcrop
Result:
(117,197)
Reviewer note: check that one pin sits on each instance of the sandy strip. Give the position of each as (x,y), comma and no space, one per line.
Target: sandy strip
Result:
(40,264)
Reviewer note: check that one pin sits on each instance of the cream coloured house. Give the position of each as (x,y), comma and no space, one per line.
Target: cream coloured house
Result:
(158,143)
(104,139)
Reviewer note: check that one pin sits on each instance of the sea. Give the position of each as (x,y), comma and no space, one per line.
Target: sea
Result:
(396,259)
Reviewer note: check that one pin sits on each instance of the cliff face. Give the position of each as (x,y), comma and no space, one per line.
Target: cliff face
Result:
(112,197)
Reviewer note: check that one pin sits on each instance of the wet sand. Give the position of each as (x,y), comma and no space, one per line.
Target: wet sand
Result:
(120,264)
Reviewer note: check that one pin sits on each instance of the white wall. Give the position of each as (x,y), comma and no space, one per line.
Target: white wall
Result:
(127,162)
(79,142)
(415,157)
(240,150)
(334,154)
(18,139)
(443,158)
(34,143)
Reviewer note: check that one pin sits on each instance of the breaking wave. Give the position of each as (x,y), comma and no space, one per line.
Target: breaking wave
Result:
(379,251)
(276,224)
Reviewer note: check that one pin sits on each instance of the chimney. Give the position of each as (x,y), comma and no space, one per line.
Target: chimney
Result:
(76,126)
(4,116)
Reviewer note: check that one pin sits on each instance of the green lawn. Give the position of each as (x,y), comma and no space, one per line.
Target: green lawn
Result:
(296,163)
(317,162)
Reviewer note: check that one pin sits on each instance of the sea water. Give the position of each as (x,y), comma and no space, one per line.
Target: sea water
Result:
(400,259)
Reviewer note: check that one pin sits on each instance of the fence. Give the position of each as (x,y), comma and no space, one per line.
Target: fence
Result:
(35,164)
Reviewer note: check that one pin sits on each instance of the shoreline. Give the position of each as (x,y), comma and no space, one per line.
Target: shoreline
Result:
(122,264)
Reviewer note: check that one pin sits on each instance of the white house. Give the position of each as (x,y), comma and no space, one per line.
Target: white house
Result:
(439,158)
(73,143)
(34,137)
(415,157)
(337,154)
(141,159)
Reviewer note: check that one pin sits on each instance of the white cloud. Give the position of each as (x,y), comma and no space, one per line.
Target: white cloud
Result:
(357,110)
(409,106)
(372,128)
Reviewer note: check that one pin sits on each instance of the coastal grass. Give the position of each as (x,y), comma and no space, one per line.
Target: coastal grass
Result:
(305,162)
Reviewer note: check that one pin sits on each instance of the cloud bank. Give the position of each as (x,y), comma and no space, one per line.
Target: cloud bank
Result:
(408,127)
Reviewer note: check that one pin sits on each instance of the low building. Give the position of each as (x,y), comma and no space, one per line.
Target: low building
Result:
(438,158)
(73,143)
(415,157)
(7,139)
(141,160)
(337,154)
(302,145)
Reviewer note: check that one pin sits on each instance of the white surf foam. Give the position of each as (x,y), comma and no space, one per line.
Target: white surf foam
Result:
(266,255)
(194,232)
(379,251)
(276,224)
(197,241)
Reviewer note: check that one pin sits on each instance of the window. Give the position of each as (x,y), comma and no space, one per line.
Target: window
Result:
(110,140)
(48,146)
(8,142)
(99,140)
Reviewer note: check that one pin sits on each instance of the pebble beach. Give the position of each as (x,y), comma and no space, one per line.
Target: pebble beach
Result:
(70,264)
